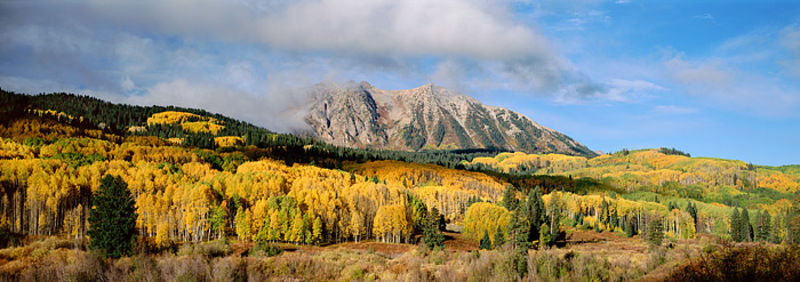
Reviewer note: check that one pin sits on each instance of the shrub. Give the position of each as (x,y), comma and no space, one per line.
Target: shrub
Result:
(751,263)
(265,249)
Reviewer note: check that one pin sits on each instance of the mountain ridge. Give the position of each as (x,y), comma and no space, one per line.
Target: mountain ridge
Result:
(426,117)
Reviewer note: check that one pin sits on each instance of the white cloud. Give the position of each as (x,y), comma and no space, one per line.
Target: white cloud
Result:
(269,110)
(732,87)
(622,90)
(365,32)
(384,27)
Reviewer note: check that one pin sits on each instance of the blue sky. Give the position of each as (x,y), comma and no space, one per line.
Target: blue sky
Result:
(713,78)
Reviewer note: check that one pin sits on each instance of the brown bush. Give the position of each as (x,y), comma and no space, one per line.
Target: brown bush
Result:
(743,263)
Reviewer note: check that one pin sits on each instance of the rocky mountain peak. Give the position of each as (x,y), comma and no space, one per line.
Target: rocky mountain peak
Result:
(426,117)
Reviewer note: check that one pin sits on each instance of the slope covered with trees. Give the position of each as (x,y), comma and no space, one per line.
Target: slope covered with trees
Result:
(200,180)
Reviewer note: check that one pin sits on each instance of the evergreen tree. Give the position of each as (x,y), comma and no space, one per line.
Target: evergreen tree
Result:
(691,208)
(736,228)
(499,238)
(534,211)
(519,242)
(766,226)
(510,201)
(113,219)
(519,230)
(486,243)
(747,229)
(629,232)
(431,236)
(544,236)
(775,231)
(655,232)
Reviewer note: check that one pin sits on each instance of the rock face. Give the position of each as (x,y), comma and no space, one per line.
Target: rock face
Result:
(426,117)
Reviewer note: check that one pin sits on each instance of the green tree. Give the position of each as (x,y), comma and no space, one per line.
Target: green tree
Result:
(629,232)
(431,236)
(112,220)
(736,228)
(775,230)
(691,208)
(534,211)
(655,232)
(499,238)
(762,227)
(217,220)
(510,198)
(554,213)
(747,229)
(544,236)
(486,243)
(519,242)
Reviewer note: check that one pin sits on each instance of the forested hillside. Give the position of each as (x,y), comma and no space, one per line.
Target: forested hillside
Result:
(196,177)
(194,127)
(663,172)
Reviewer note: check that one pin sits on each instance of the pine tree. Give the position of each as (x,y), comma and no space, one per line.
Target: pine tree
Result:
(775,231)
(692,210)
(535,212)
(766,228)
(519,230)
(510,201)
(486,243)
(431,236)
(519,242)
(747,229)
(655,232)
(736,228)
(113,218)
(499,238)
(629,232)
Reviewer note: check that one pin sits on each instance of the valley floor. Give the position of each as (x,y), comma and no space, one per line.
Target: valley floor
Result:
(584,255)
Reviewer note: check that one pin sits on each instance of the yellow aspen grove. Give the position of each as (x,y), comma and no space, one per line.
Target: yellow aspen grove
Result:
(392,224)
(483,217)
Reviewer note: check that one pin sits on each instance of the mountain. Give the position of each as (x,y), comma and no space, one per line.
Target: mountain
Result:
(426,117)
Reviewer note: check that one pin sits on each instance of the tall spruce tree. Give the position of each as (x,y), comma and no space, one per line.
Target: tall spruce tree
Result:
(655,232)
(629,232)
(775,230)
(736,227)
(691,208)
(519,242)
(510,201)
(112,220)
(534,211)
(499,238)
(431,235)
(764,226)
(747,229)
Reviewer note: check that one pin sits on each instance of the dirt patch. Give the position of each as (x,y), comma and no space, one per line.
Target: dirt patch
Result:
(378,247)
(456,242)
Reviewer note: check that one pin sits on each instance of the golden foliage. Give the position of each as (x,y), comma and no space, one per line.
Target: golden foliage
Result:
(188,121)
(488,217)
(417,175)
(227,141)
